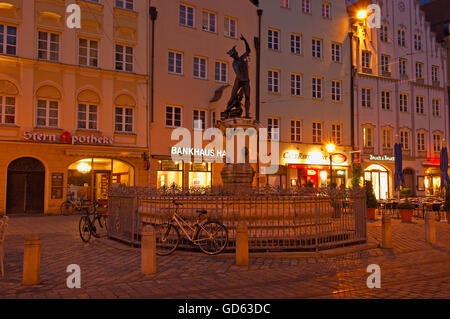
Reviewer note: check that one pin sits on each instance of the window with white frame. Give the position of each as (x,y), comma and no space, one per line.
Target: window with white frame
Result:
(387,138)
(296,43)
(8,39)
(284,4)
(366,97)
(199,117)
(435,73)
(317,132)
(436,107)
(273,81)
(124,120)
(306,6)
(7,110)
(88,52)
(384,33)
(317,48)
(87,116)
(221,71)
(336,133)
(386,100)
(317,87)
(401,37)
(296,84)
(125,4)
(436,142)
(421,142)
(402,66)
(403,102)
(124,58)
(173,116)
(417,42)
(230,26)
(187,15)
(336,92)
(48,46)
(209,21)
(404,139)
(175,62)
(385,63)
(367,136)
(326,10)
(273,39)
(47,114)
(273,129)
(336,52)
(365,59)
(419,70)
(296,131)
(200,68)
(420,109)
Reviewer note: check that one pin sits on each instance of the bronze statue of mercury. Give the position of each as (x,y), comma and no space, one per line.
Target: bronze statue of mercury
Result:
(241,87)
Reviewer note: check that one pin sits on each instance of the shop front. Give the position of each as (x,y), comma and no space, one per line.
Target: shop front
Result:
(432,181)
(43,169)
(312,167)
(181,174)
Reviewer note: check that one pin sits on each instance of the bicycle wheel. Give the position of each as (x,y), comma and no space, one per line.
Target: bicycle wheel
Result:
(212,238)
(67,208)
(101,229)
(85,229)
(167,239)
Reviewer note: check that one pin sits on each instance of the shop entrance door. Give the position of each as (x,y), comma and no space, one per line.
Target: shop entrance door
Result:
(379,177)
(26,187)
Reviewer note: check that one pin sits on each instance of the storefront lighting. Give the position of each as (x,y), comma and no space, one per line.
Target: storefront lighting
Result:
(84,168)
(324,175)
(311,172)
(4,5)
(330,148)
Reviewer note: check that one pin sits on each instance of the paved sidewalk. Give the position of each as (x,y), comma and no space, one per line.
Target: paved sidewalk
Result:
(413,269)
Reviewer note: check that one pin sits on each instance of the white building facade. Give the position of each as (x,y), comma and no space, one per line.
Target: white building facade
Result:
(400,94)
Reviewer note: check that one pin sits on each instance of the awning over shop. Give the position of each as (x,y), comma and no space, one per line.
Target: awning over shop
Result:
(97,153)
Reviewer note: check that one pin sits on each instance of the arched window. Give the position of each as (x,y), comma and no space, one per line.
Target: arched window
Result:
(87,118)
(124,114)
(8,93)
(47,107)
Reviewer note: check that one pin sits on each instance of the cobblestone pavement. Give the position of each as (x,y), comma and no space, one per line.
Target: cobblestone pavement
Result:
(413,269)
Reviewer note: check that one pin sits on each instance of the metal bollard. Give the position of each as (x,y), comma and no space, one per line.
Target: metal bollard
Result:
(386,231)
(31,261)
(242,245)
(430,228)
(148,251)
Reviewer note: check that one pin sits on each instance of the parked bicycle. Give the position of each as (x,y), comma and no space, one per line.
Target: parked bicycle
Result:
(210,236)
(92,222)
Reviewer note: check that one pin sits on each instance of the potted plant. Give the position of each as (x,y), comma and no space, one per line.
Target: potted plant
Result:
(406,211)
(447,203)
(371,201)
(405,192)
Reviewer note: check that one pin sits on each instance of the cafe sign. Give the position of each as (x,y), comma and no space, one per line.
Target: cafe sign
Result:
(382,158)
(67,138)
(313,158)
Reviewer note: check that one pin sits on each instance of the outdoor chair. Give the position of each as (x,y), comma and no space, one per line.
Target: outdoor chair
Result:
(3,228)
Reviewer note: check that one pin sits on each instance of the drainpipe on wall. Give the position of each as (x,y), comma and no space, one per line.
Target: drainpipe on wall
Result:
(153,16)
(258,87)
(352,93)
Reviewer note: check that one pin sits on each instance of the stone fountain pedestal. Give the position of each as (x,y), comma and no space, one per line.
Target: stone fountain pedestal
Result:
(237,177)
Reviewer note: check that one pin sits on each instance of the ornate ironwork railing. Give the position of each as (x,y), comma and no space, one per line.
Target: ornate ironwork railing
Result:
(294,219)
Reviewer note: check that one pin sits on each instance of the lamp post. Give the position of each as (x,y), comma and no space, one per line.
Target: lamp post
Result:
(330,148)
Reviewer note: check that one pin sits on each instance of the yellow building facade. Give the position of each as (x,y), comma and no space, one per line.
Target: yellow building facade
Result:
(73,102)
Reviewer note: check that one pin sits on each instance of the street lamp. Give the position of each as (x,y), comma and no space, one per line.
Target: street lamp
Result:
(362,14)
(331,148)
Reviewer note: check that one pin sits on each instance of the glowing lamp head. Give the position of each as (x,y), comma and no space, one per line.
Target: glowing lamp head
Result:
(84,168)
(362,14)
(330,147)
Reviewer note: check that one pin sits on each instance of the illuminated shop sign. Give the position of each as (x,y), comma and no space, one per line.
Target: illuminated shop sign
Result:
(67,138)
(197,152)
(313,158)
(382,158)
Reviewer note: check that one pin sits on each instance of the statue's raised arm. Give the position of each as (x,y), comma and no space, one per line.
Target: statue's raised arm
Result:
(247,48)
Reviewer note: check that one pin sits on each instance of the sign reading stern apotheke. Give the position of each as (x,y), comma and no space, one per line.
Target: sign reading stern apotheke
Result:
(67,138)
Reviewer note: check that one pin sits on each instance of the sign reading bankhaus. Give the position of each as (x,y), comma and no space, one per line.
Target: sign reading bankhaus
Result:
(67,138)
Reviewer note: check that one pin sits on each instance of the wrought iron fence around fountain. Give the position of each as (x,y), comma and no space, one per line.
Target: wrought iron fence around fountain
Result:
(294,219)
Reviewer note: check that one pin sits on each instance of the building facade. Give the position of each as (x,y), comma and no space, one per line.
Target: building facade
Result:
(400,96)
(73,102)
(193,77)
(305,85)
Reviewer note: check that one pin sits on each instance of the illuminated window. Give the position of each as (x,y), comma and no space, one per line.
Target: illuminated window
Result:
(367,137)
